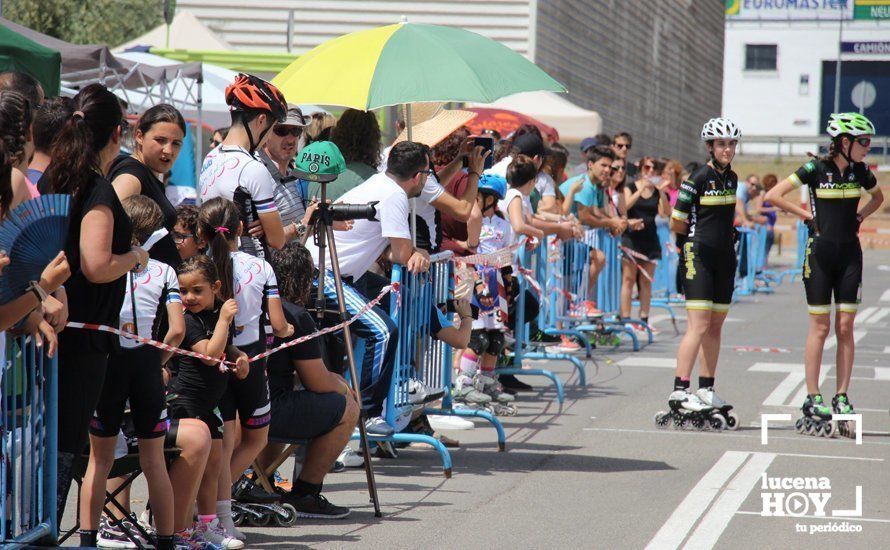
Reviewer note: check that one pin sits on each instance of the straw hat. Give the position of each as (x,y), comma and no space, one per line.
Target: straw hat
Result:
(432,123)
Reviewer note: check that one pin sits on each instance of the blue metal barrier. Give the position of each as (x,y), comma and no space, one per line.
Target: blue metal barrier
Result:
(563,277)
(754,249)
(28,436)
(797,270)
(608,291)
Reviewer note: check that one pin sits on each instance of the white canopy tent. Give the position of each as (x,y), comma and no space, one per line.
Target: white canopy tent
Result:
(573,123)
(186,33)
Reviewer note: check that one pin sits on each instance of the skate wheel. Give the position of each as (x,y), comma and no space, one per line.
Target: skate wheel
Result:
(829,429)
(261,519)
(800,425)
(717,423)
(237,516)
(662,419)
(698,423)
(681,422)
(732,421)
(289,519)
(809,426)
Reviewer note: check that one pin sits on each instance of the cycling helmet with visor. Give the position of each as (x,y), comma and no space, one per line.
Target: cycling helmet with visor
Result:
(852,125)
(251,94)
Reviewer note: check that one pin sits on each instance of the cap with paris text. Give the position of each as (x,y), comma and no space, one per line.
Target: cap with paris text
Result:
(320,161)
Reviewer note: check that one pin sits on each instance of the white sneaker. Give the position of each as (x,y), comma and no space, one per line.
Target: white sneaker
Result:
(351,458)
(214,533)
(449,422)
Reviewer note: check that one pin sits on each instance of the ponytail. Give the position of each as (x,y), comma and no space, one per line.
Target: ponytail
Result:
(218,224)
(95,115)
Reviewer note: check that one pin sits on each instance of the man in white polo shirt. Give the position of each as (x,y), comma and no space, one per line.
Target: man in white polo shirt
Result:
(408,168)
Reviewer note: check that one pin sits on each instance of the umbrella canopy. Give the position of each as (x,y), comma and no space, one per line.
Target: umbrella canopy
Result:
(18,53)
(408,63)
(574,123)
(506,121)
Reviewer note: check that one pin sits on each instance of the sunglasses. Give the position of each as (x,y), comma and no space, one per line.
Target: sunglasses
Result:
(622,145)
(214,143)
(864,141)
(617,167)
(648,167)
(282,131)
(180,238)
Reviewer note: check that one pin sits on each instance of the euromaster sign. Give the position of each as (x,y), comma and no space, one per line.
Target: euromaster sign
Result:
(872,9)
(790,9)
(876,48)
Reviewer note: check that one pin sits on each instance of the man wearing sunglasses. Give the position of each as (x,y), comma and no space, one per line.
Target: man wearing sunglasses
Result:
(621,144)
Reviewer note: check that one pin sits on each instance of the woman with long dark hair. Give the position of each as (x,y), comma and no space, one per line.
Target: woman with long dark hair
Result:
(357,135)
(101,254)
(159,135)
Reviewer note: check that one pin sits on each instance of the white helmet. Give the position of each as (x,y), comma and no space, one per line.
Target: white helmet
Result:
(720,128)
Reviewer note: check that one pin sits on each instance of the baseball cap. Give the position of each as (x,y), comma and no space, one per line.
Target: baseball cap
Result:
(294,116)
(320,161)
(587,143)
(531,145)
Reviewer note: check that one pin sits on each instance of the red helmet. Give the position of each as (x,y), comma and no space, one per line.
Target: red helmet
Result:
(251,92)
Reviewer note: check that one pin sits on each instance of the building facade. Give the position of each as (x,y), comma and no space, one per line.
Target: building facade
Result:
(653,69)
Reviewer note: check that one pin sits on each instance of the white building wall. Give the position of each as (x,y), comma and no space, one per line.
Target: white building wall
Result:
(773,103)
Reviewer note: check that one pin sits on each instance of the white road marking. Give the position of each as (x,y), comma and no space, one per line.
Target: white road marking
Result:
(802,392)
(816,440)
(720,514)
(882,373)
(883,312)
(886,349)
(885,297)
(683,519)
(863,315)
(779,396)
(848,518)
(657,362)
(831,342)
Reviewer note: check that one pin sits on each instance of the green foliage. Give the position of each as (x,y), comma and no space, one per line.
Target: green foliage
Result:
(110,22)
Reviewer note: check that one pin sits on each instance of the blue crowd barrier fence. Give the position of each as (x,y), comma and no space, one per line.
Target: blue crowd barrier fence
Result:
(752,258)
(28,437)
(797,270)
(608,291)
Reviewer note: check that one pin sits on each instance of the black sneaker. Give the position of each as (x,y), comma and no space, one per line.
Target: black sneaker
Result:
(510,382)
(315,506)
(542,337)
(385,449)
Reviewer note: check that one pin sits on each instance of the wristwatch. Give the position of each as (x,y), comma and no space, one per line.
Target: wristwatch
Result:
(38,292)
(300,229)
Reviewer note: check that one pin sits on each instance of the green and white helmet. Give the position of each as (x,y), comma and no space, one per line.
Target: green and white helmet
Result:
(853,124)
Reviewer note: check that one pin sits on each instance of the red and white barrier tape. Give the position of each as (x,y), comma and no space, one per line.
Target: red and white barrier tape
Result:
(160,345)
(633,255)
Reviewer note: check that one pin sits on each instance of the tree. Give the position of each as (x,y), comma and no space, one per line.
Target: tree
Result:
(110,22)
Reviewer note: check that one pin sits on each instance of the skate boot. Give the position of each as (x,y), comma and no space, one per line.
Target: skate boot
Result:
(501,401)
(251,505)
(840,404)
(687,410)
(816,419)
(721,407)
(467,396)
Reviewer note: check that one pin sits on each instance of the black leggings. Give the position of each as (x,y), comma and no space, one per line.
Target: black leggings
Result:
(81,375)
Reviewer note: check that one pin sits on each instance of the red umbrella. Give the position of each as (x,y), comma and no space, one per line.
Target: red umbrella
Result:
(505,122)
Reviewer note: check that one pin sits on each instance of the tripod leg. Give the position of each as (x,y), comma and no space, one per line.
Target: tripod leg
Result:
(356,383)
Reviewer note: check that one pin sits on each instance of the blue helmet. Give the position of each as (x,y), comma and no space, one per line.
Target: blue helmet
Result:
(494,184)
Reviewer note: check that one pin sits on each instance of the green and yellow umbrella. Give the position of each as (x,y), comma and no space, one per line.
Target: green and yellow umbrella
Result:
(409,63)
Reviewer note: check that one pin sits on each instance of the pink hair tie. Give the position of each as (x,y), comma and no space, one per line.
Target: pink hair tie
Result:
(78,114)
(222,229)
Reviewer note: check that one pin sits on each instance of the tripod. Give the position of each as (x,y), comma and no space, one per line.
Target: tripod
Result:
(323,229)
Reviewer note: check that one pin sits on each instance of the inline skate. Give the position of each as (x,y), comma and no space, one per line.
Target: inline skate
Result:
(816,419)
(251,505)
(687,410)
(840,404)
(710,397)
(501,403)
(466,395)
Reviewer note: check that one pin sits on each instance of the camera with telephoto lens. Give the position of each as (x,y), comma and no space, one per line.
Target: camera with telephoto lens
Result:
(341,212)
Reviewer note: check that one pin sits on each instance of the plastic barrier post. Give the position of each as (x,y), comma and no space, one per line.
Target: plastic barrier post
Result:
(28,430)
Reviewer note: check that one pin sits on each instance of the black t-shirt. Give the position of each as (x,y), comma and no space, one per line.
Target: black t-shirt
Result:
(707,201)
(645,209)
(165,249)
(196,381)
(89,302)
(280,365)
(834,197)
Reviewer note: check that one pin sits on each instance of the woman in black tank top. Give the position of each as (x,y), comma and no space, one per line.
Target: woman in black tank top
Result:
(159,136)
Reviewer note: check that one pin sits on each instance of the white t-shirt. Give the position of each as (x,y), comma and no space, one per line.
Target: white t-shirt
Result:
(426,212)
(359,248)
(500,169)
(234,174)
(254,280)
(147,291)
(496,234)
(545,184)
(527,211)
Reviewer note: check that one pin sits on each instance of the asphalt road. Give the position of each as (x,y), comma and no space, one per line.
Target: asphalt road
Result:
(596,473)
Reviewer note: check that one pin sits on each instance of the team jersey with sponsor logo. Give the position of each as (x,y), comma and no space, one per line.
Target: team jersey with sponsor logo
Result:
(707,201)
(234,174)
(254,283)
(147,292)
(834,196)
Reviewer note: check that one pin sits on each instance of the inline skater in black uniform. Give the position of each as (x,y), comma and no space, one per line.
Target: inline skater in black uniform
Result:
(704,212)
(833,263)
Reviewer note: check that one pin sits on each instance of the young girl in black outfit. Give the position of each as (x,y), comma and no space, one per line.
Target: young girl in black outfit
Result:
(100,251)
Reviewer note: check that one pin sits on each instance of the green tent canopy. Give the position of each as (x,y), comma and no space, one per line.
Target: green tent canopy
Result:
(23,55)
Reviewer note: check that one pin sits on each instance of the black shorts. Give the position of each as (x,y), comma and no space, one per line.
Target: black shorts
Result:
(299,415)
(483,340)
(832,268)
(249,398)
(133,374)
(709,276)
(183,407)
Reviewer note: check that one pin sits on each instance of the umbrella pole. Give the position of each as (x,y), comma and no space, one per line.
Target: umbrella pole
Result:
(408,125)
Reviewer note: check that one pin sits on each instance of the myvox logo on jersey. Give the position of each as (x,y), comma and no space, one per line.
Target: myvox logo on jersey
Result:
(801,496)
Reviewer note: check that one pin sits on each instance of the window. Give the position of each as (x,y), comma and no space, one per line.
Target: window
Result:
(760,57)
